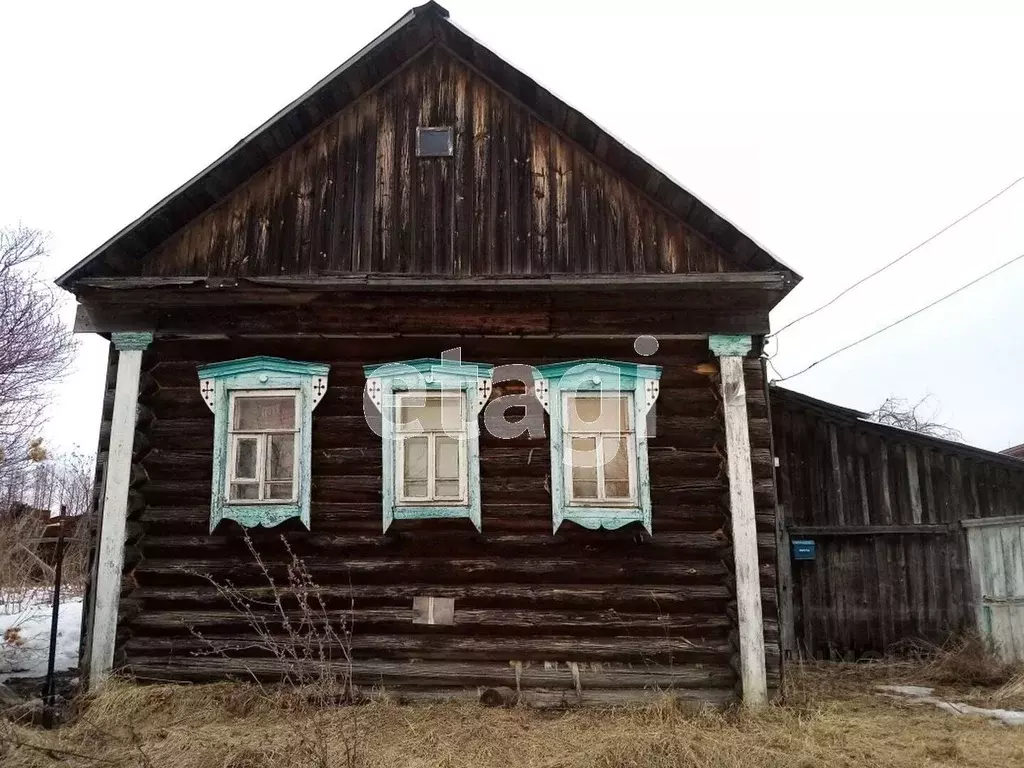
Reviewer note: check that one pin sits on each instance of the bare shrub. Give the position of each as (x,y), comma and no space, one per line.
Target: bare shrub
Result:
(311,647)
(25,578)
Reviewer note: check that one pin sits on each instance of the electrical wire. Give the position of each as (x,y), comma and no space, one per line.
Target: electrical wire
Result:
(900,258)
(893,324)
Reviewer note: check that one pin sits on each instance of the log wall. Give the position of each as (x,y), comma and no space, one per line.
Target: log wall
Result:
(586,615)
(884,508)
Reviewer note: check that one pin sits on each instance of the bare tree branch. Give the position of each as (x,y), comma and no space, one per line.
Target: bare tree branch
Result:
(917,417)
(35,348)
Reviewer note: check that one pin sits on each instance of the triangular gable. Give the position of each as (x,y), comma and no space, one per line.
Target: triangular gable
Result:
(217,223)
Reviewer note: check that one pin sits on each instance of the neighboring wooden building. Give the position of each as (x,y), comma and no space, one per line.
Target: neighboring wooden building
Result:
(914,537)
(1016,452)
(424,197)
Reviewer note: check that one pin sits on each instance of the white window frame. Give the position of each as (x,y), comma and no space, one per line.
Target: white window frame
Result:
(630,434)
(261,436)
(401,434)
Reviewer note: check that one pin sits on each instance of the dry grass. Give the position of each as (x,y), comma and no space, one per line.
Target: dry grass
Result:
(831,718)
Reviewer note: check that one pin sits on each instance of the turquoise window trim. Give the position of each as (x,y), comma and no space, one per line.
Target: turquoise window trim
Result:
(552,382)
(383,382)
(253,374)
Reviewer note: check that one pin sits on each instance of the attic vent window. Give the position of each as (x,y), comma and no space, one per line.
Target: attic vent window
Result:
(434,142)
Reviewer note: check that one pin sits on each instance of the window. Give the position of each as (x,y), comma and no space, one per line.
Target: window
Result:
(431,448)
(603,460)
(262,410)
(430,437)
(262,455)
(598,411)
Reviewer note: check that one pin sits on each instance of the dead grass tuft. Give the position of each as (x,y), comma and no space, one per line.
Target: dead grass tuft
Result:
(831,718)
(968,660)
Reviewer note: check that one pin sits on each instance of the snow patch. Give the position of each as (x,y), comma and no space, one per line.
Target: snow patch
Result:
(921,695)
(25,638)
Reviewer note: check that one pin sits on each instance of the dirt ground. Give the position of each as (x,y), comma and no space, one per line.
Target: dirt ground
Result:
(828,715)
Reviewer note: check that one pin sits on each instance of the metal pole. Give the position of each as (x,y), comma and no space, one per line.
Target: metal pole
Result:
(48,686)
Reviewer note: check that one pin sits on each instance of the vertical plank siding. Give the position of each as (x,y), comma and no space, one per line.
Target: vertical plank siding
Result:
(866,593)
(516,198)
(578,611)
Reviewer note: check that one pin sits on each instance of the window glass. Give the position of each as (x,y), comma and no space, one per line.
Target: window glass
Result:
(263,447)
(598,414)
(416,455)
(600,439)
(433,452)
(245,458)
(431,412)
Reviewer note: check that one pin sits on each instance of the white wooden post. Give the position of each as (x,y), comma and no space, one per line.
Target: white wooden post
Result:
(110,557)
(730,351)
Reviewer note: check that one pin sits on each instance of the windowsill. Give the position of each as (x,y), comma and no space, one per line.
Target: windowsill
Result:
(626,504)
(607,517)
(260,514)
(259,502)
(450,512)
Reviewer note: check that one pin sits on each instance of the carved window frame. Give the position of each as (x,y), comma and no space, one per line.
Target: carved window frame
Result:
(553,384)
(383,383)
(252,376)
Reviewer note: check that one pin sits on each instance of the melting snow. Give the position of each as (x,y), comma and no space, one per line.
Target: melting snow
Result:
(922,695)
(25,638)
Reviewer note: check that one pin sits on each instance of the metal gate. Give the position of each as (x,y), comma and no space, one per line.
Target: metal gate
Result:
(997,574)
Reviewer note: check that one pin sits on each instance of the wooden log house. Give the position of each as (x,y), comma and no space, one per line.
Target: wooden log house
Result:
(290,326)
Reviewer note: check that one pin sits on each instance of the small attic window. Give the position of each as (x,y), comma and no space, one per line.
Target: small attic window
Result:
(434,142)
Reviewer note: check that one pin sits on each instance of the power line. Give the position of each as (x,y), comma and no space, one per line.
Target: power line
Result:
(904,318)
(900,258)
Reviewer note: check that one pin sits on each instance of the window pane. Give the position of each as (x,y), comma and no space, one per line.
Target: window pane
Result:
(256,413)
(616,489)
(616,458)
(432,412)
(278,490)
(584,468)
(416,489)
(446,457)
(447,489)
(598,414)
(242,492)
(245,458)
(280,457)
(416,458)
(415,466)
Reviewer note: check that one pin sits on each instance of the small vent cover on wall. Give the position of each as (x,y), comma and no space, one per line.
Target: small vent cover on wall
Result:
(433,610)
(434,142)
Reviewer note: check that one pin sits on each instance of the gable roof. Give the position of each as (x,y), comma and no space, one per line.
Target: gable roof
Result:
(402,41)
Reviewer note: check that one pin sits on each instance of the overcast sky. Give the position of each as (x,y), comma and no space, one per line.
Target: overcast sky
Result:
(836,139)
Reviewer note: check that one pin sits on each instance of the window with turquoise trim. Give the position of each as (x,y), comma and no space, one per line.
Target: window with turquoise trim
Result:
(430,437)
(262,437)
(598,413)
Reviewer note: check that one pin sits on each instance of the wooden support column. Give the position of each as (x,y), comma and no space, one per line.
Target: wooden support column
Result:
(730,351)
(110,555)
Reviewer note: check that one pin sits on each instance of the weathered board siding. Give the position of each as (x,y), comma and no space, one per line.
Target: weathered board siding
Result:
(594,616)
(517,198)
(884,507)
(996,549)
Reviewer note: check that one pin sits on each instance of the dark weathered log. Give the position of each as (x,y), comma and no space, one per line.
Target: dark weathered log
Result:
(448,674)
(446,570)
(438,646)
(468,621)
(654,600)
(463,543)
